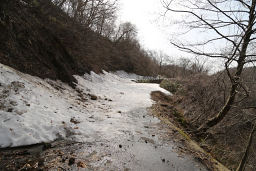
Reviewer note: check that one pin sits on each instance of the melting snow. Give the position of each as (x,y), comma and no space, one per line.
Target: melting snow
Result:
(33,110)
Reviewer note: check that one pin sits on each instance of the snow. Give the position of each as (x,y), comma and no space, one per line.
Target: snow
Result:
(33,110)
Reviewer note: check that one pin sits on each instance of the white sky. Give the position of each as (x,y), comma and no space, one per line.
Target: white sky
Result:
(154,31)
(145,14)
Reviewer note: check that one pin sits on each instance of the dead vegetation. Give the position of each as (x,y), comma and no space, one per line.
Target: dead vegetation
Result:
(200,97)
(166,110)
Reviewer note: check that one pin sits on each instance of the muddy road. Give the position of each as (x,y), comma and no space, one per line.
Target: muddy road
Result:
(141,142)
(103,124)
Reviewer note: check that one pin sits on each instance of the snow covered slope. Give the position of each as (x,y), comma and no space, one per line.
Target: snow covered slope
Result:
(33,110)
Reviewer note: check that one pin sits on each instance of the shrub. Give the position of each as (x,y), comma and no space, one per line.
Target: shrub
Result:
(170,86)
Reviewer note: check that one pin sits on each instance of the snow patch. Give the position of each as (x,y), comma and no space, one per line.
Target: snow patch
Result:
(33,110)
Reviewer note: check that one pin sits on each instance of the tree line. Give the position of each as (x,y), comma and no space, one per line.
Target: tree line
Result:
(100,16)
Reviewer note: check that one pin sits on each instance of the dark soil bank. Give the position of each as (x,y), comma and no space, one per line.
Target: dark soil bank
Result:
(40,39)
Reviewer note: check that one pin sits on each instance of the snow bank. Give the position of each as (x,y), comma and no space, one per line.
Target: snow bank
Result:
(126,75)
(33,110)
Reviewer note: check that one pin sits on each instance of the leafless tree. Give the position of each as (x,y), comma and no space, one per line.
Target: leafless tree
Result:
(161,58)
(98,15)
(125,31)
(185,65)
(229,23)
(198,65)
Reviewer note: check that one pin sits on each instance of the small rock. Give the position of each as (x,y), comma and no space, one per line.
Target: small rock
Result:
(26,167)
(120,146)
(71,161)
(81,164)
(27,104)
(74,121)
(164,105)
(93,97)
(5,91)
(10,110)
(20,112)
(13,103)
(119,112)
(110,100)
(163,160)
(82,99)
(61,153)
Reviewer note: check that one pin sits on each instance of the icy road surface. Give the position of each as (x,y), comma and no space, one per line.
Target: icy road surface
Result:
(116,128)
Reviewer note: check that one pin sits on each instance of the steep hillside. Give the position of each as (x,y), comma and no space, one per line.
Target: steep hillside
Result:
(40,39)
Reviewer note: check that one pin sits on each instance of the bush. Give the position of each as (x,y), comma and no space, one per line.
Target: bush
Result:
(170,86)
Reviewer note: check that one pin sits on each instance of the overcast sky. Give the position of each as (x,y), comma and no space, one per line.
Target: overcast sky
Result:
(145,14)
(154,30)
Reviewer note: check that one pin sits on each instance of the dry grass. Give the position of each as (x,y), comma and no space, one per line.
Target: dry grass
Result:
(202,97)
(165,109)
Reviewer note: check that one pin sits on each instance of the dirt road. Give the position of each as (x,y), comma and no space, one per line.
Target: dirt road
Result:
(143,143)
(113,129)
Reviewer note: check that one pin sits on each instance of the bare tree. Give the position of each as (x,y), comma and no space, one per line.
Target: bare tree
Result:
(161,58)
(98,15)
(199,66)
(230,23)
(125,31)
(185,65)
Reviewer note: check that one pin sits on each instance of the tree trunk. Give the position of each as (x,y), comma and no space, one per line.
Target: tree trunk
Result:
(225,109)
(242,164)
(234,79)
